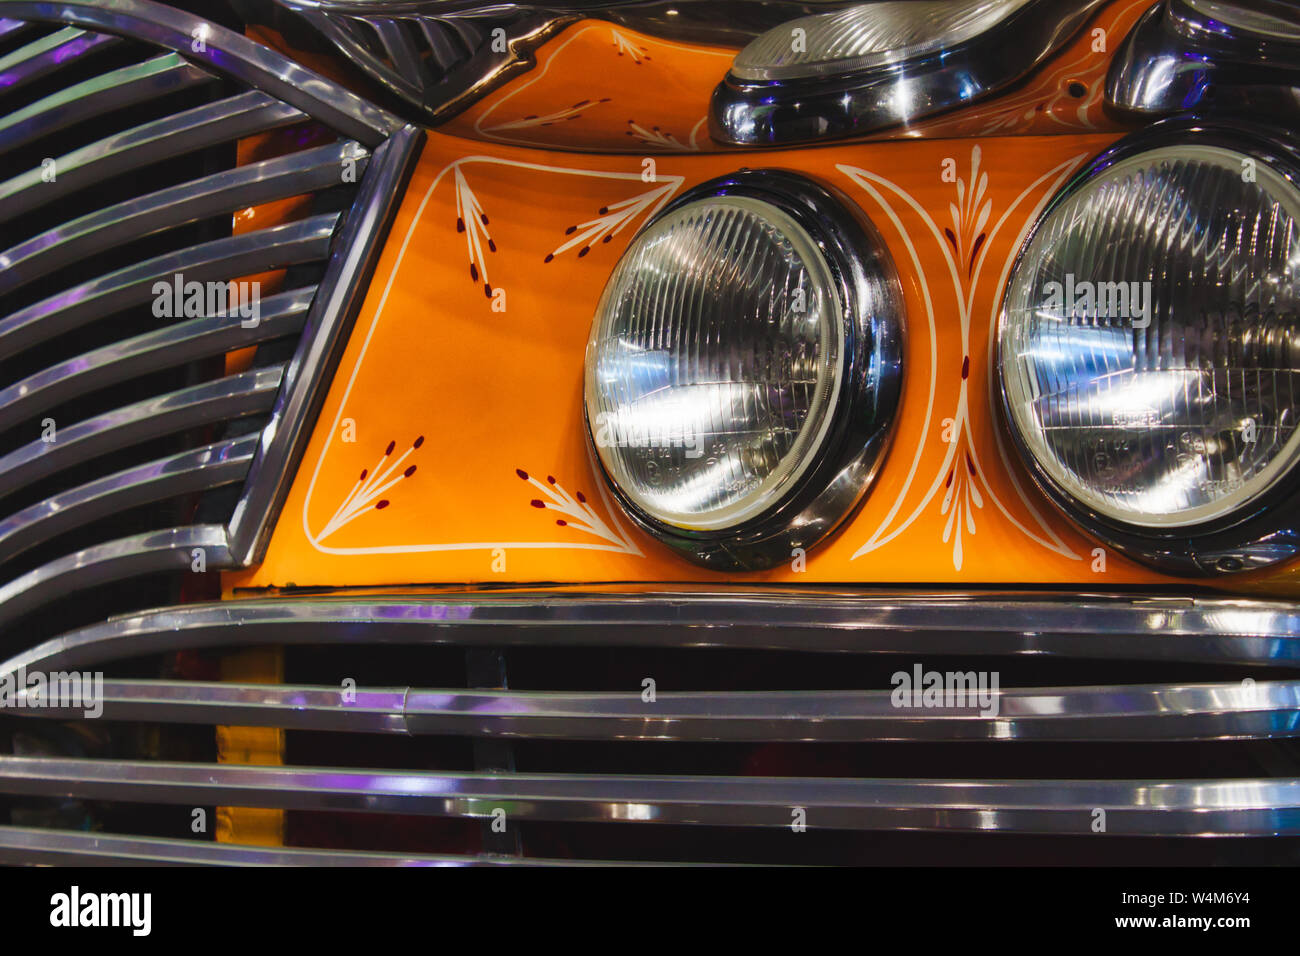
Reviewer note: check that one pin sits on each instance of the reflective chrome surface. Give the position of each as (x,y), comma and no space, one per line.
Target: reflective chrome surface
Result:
(858,286)
(1261,709)
(1261,807)
(1220,58)
(1159,411)
(1084,626)
(37,846)
(762,104)
(109,176)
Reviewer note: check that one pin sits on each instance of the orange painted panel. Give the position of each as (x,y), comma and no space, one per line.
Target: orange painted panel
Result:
(451,447)
(606,87)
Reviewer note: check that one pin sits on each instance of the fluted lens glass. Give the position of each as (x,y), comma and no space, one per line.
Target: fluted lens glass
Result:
(714,361)
(866,36)
(1150,340)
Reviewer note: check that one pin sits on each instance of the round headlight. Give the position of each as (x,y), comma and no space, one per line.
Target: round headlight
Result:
(1150,341)
(742,361)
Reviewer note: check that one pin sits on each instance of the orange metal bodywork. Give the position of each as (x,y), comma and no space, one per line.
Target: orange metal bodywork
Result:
(451,448)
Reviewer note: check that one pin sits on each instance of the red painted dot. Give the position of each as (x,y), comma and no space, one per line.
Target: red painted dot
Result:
(460,224)
(561,522)
(487,290)
(583,251)
(473,272)
(381,504)
(549,257)
(483,217)
(521,473)
(418,442)
(364,472)
(550,479)
(965,366)
(409,472)
(571,230)
(389,449)
(537,503)
(582,497)
(492,246)
(949,481)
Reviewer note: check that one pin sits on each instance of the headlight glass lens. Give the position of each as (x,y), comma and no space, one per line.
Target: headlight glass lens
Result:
(867,36)
(714,362)
(1150,340)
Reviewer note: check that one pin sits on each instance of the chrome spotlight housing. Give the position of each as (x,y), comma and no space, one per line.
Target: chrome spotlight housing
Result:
(874,65)
(743,369)
(1149,348)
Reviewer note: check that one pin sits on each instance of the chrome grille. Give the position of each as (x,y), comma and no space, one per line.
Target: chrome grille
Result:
(127,441)
(435,61)
(1175,716)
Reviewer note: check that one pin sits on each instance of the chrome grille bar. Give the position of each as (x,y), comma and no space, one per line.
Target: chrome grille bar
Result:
(1261,807)
(223,192)
(149,553)
(50,53)
(221,122)
(225,51)
(1218,630)
(125,86)
(219,260)
(202,469)
(30,845)
(168,347)
(235,396)
(1218,711)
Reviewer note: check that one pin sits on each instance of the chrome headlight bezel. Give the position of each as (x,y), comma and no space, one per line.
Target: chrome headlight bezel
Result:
(860,418)
(1265,530)
(826,104)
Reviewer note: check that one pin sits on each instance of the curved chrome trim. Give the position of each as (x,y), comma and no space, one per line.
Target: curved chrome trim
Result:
(1217,630)
(110,91)
(227,191)
(859,425)
(168,347)
(211,466)
(220,259)
(307,377)
(33,845)
(220,122)
(224,51)
(1265,530)
(1222,711)
(1175,60)
(753,113)
(234,396)
(453,80)
(1260,807)
(139,554)
(42,57)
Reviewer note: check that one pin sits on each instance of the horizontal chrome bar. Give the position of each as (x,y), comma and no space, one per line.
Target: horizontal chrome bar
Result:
(50,53)
(975,623)
(33,845)
(168,347)
(219,260)
(235,396)
(102,94)
(149,553)
(211,466)
(1262,807)
(225,51)
(221,122)
(1216,711)
(223,192)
